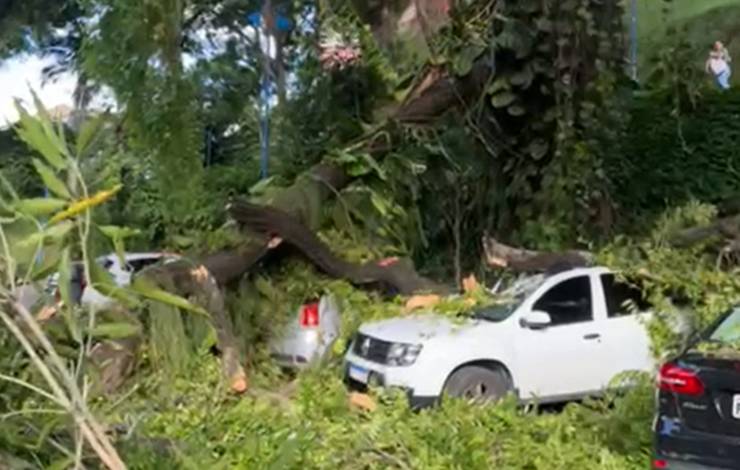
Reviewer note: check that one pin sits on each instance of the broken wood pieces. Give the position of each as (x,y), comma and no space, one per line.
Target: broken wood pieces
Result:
(362,401)
(417,302)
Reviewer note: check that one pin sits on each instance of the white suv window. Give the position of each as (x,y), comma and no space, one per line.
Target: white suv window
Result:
(568,302)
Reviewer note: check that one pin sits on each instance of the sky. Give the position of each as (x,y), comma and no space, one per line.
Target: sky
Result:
(21,74)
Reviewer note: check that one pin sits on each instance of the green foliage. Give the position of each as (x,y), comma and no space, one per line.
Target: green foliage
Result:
(684,285)
(35,20)
(313,427)
(161,103)
(41,424)
(673,158)
(663,24)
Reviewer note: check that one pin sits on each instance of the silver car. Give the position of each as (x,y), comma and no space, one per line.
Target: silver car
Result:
(309,336)
(306,339)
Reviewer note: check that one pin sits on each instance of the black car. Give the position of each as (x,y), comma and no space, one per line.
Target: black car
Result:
(698,419)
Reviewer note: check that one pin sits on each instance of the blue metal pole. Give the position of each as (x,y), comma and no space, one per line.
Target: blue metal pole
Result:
(283,24)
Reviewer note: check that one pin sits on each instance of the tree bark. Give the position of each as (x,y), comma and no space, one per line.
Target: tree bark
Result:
(499,255)
(401,277)
(196,281)
(412,20)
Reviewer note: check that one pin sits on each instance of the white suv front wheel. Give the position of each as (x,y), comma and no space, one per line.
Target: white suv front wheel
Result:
(479,384)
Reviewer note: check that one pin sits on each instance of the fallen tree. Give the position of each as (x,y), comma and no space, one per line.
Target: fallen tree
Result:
(439,88)
(290,217)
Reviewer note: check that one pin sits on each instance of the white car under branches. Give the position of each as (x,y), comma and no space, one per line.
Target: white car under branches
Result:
(556,338)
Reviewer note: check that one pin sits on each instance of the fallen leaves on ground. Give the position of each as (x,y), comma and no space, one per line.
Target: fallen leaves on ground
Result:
(362,401)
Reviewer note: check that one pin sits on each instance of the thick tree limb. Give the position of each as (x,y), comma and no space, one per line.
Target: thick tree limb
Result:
(500,255)
(197,282)
(270,221)
(438,92)
(727,227)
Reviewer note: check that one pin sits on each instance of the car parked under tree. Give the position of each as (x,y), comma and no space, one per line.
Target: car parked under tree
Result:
(551,339)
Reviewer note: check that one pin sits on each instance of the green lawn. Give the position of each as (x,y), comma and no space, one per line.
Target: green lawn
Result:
(705,21)
(652,22)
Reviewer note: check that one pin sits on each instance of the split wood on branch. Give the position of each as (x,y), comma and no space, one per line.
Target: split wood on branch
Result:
(499,255)
(276,223)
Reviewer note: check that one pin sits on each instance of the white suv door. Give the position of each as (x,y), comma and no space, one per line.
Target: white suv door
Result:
(567,358)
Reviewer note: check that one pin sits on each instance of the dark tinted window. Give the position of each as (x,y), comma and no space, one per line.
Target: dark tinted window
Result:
(107,263)
(568,302)
(622,298)
(139,264)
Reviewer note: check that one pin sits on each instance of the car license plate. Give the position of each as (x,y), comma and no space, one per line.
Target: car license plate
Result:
(358,373)
(736,406)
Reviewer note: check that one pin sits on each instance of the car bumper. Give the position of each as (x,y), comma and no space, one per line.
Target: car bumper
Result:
(670,464)
(299,349)
(685,449)
(359,373)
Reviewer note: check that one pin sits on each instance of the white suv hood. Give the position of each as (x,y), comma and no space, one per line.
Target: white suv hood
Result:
(416,329)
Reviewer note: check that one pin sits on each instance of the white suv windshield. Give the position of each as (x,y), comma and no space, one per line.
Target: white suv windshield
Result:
(497,312)
(509,299)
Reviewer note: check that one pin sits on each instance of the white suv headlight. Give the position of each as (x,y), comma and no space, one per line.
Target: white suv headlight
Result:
(401,354)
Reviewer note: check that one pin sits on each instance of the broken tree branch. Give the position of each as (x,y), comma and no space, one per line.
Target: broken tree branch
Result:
(499,255)
(272,222)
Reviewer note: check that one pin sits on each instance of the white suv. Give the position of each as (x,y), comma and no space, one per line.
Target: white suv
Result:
(555,338)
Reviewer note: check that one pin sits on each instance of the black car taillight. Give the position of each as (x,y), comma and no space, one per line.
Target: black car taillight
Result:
(679,380)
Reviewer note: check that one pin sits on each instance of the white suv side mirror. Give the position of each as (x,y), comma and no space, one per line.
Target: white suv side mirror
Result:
(536,320)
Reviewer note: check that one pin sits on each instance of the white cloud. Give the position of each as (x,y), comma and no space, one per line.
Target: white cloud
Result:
(21,74)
